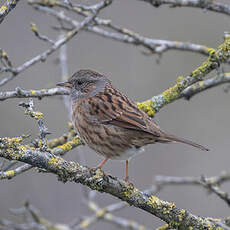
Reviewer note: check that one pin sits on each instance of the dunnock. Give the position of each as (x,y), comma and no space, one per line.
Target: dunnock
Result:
(109,122)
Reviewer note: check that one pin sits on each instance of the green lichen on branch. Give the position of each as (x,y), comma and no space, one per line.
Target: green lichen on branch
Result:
(176,218)
(7,175)
(34,27)
(69,145)
(215,58)
(48,3)
(12,147)
(59,141)
(174,92)
(98,180)
(163,227)
(66,146)
(147,106)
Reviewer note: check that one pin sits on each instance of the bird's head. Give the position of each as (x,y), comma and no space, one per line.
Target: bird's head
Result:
(85,83)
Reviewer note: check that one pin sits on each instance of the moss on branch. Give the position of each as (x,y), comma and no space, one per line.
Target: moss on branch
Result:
(216,57)
(68,171)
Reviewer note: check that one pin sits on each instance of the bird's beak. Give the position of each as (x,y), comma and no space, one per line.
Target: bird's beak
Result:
(64,84)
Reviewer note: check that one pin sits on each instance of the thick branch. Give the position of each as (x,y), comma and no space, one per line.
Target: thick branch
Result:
(97,180)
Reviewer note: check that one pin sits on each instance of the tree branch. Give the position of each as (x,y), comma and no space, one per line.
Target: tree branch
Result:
(216,57)
(106,215)
(6,8)
(21,93)
(11,149)
(204,85)
(210,5)
(118,33)
(40,36)
(212,183)
(14,172)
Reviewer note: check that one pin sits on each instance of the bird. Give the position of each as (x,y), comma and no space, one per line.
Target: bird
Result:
(109,122)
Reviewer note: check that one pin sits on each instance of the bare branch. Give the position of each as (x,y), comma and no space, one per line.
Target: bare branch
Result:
(106,215)
(40,36)
(210,5)
(212,183)
(5,59)
(119,33)
(32,220)
(153,45)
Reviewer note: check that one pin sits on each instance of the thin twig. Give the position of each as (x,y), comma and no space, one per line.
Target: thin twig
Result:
(210,5)
(29,110)
(122,34)
(212,183)
(40,36)
(106,214)
(9,174)
(6,8)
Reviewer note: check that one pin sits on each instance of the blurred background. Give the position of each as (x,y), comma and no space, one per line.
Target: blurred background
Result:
(203,119)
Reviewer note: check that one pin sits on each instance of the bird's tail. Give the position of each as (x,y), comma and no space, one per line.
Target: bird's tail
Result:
(168,137)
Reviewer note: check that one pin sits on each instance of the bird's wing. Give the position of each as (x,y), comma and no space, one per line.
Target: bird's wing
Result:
(114,108)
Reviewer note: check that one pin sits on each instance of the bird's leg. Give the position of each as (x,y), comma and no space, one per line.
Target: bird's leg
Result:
(127,171)
(102,163)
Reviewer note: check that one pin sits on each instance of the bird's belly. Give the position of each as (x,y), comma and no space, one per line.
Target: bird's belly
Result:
(108,141)
(129,153)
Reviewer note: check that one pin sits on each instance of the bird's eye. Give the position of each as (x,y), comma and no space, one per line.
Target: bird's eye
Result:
(79,83)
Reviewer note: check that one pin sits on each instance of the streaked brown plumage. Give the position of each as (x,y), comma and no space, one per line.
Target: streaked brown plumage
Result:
(109,122)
